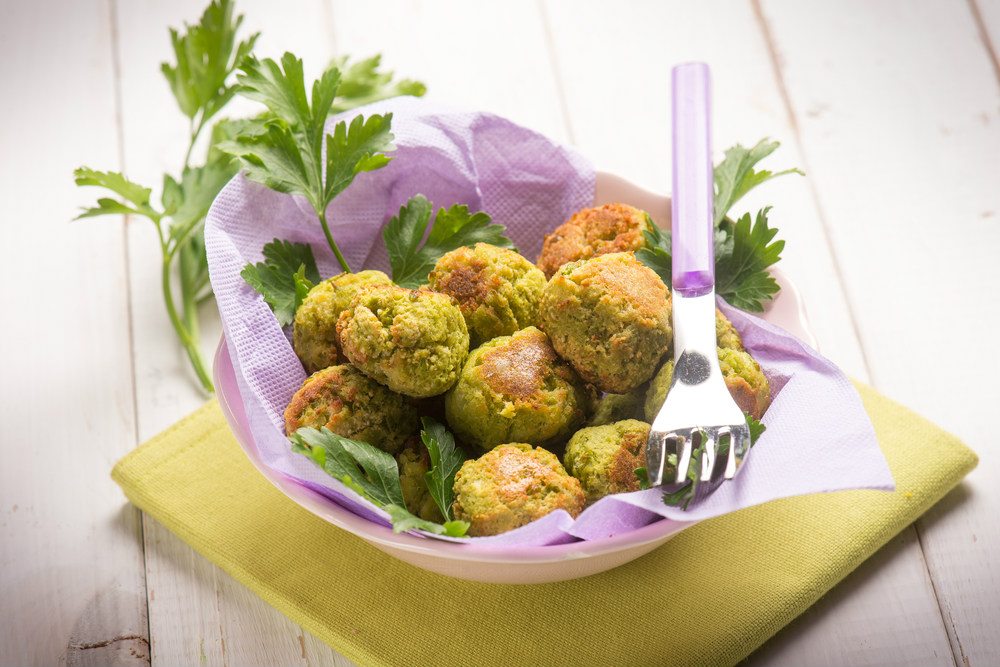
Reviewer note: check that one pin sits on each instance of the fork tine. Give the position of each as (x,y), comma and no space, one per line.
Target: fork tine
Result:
(709,445)
(724,453)
(683,443)
(731,455)
(738,446)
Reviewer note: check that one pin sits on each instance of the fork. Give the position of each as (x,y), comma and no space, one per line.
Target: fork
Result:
(698,406)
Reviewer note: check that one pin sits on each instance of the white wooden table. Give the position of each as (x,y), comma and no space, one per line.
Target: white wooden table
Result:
(892,108)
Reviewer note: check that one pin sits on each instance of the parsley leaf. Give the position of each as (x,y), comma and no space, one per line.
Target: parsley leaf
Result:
(187,202)
(452,228)
(131,192)
(756,428)
(286,151)
(370,472)
(735,176)
(742,278)
(206,55)
(363,84)
(643,476)
(285,276)
(446,459)
(403,520)
(362,467)
(657,253)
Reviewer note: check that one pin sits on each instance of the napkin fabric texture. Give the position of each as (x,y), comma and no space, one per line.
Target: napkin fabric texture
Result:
(709,596)
(818,436)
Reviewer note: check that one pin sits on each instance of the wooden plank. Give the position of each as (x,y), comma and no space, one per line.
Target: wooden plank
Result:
(901,123)
(197,613)
(748,105)
(71,575)
(478,56)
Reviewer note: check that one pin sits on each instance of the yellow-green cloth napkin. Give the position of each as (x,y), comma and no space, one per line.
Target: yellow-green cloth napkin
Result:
(709,596)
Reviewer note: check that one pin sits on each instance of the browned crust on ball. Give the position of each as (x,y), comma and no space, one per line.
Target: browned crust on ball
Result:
(591,232)
(518,369)
(631,455)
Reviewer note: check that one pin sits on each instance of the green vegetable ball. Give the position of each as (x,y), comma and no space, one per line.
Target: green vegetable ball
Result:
(594,231)
(516,389)
(512,485)
(412,341)
(314,330)
(610,317)
(497,289)
(726,335)
(352,405)
(604,458)
(745,380)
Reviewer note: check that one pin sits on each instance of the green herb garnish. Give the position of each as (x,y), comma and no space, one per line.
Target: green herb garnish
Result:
(284,278)
(285,151)
(206,55)
(446,459)
(374,474)
(362,84)
(735,176)
(742,278)
(742,252)
(453,228)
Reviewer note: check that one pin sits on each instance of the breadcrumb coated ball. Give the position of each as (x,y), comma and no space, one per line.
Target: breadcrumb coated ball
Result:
(609,316)
(496,289)
(412,341)
(314,330)
(604,458)
(512,485)
(726,335)
(516,389)
(744,378)
(352,405)
(592,232)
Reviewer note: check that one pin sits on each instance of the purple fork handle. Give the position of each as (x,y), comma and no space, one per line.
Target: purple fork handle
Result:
(693,250)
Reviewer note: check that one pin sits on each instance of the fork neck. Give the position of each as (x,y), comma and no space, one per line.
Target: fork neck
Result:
(694,324)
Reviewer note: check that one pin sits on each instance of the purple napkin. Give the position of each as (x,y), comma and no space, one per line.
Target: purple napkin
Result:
(818,436)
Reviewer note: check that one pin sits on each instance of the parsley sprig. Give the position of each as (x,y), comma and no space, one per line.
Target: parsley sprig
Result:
(285,150)
(446,459)
(206,56)
(743,251)
(374,474)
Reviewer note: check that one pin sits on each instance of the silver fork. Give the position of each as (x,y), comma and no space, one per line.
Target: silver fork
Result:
(698,406)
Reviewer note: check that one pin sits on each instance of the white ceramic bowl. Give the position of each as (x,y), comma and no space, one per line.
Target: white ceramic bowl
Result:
(491,563)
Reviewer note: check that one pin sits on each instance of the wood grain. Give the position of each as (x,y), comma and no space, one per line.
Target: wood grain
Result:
(914,137)
(70,545)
